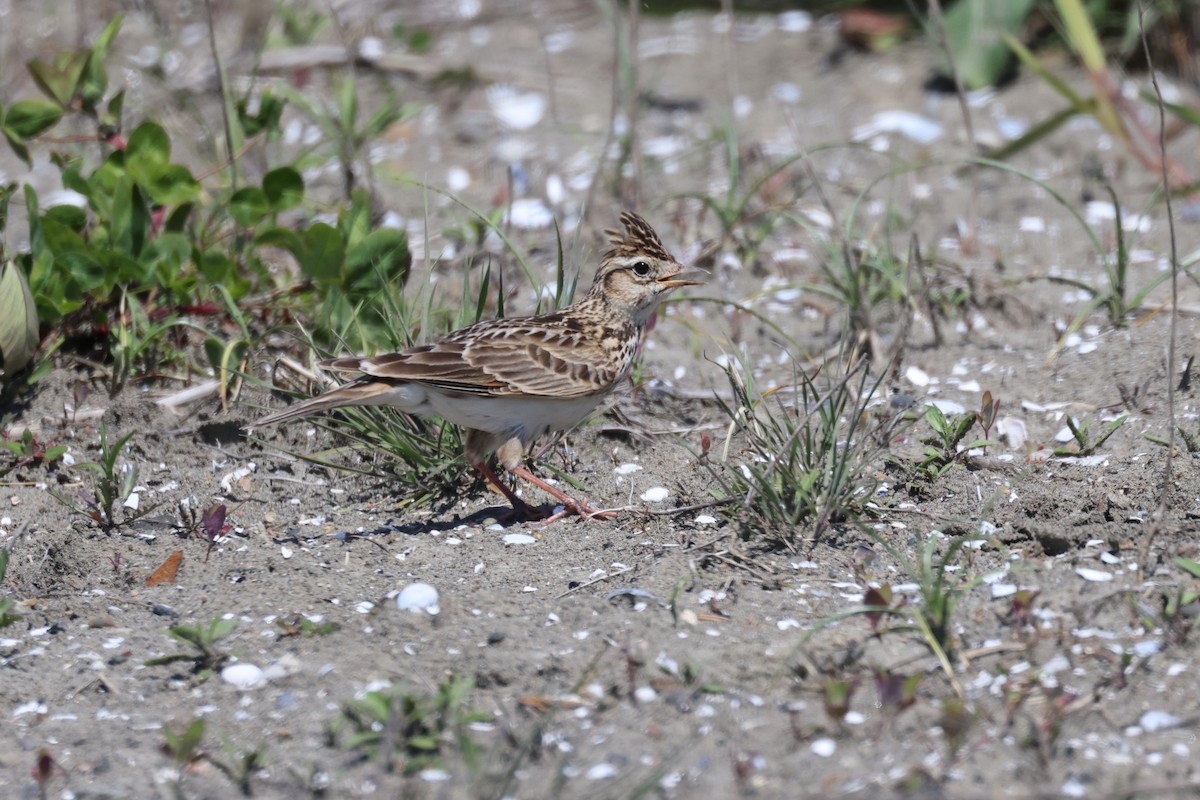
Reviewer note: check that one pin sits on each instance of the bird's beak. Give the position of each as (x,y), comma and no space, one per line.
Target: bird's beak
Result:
(685,277)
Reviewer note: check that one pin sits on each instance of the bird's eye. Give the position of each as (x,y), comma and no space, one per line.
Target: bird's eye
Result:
(641,269)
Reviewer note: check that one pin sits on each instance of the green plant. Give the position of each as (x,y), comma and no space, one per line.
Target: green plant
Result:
(342,125)
(945,446)
(356,270)
(940,588)
(7,617)
(1176,606)
(206,656)
(228,356)
(18,311)
(184,749)
(302,626)
(750,208)
(111,485)
(410,732)
(980,53)
(803,464)
(239,765)
(28,451)
(1083,444)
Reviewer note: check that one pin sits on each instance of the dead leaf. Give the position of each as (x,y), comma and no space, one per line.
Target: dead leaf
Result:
(167,570)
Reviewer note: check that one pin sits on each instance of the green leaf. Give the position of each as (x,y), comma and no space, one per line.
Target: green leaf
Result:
(248,206)
(173,185)
(974,34)
(382,254)
(147,153)
(355,222)
(59,80)
(1181,562)
(283,238)
(6,195)
(17,146)
(322,253)
(18,320)
(284,188)
(72,217)
(28,118)
(94,80)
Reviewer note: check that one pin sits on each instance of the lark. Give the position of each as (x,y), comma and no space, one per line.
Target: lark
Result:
(507,382)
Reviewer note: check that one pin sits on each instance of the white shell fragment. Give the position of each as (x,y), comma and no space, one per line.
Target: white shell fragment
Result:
(655,494)
(917,376)
(242,676)
(530,213)
(1157,720)
(1095,575)
(1013,431)
(517,110)
(418,597)
(823,747)
(518,538)
(921,130)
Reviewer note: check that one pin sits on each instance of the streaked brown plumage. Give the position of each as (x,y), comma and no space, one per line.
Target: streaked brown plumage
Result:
(508,381)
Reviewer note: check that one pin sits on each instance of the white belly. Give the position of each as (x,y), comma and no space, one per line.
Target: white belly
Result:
(523,417)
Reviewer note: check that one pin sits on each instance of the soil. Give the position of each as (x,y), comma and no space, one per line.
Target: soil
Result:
(662,654)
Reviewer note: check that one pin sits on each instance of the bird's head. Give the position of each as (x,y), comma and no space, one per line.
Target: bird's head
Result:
(638,271)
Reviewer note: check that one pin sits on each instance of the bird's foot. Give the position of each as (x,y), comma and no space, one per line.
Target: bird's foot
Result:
(580,507)
(524,512)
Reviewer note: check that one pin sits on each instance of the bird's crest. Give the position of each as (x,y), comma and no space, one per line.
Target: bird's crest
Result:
(638,239)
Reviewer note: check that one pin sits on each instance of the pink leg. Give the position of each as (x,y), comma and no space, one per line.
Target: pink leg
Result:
(525,511)
(579,507)
(521,509)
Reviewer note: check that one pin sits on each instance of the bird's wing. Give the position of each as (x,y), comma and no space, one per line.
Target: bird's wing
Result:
(501,358)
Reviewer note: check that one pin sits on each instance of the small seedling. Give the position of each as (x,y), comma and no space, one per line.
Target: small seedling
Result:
(989,410)
(239,765)
(1177,608)
(896,690)
(392,724)
(184,749)
(955,722)
(837,698)
(302,626)
(7,617)
(28,451)
(111,486)
(206,656)
(946,445)
(43,771)
(879,603)
(1084,445)
(1022,606)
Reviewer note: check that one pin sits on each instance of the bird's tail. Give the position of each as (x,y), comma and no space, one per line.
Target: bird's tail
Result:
(358,393)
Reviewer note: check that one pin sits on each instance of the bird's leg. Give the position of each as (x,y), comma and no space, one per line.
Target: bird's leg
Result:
(520,508)
(579,507)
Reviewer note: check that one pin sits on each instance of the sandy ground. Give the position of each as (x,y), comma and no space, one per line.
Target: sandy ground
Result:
(660,654)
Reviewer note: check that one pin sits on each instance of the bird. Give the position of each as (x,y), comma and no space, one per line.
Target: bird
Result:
(510,380)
